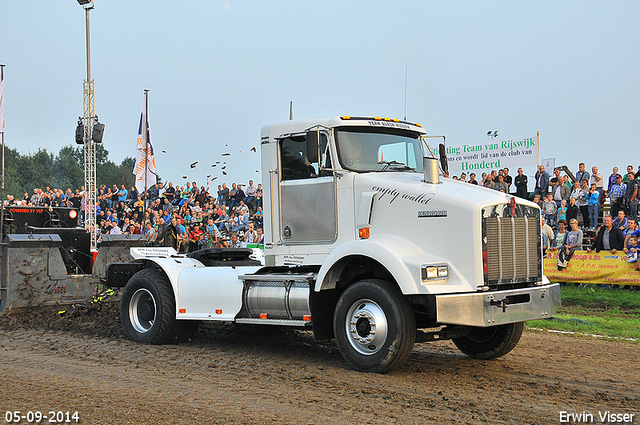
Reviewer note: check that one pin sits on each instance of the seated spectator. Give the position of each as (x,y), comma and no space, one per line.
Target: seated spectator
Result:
(608,238)
(258,217)
(572,242)
(260,239)
(631,249)
(631,230)
(234,243)
(547,235)
(621,222)
(250,236)
(558,239)
(212,234)
(196,236)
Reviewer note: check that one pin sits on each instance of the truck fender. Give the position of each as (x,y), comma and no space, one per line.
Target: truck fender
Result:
(395,254)
(172,267)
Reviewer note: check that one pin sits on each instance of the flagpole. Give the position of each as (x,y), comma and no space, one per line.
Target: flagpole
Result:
(1,123)
(146,145)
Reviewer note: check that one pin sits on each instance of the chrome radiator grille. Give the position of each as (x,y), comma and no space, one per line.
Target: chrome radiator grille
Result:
(513,250)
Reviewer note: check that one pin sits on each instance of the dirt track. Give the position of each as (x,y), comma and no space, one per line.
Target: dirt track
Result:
(225,376)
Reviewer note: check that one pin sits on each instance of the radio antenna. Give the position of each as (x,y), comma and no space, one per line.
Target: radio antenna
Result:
(405,91)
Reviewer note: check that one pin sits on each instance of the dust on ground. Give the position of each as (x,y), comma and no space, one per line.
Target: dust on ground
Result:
(80,361)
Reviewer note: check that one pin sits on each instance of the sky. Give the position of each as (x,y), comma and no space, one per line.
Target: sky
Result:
(218,71)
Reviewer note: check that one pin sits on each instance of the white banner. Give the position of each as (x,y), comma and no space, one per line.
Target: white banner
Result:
(486,157)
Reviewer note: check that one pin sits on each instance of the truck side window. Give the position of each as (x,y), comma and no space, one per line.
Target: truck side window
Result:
(294,159)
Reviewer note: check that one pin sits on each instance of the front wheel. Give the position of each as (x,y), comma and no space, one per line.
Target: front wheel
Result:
(374,326)
(489,343)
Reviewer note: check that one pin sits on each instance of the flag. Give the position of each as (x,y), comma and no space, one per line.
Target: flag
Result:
(145,163)
(2,105)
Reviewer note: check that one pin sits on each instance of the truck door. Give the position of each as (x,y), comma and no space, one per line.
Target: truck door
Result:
(307,194)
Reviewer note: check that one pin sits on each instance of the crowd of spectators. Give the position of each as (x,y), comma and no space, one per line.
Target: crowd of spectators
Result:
(186,218)
(191,217)
(567,198)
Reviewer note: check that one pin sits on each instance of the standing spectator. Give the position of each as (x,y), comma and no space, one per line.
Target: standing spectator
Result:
(631,196)
(572,210)
(488,182)
(580,193)
(170,193)
(561,192)
(507,179)
(123,194)
(542,182)
(597,178)
(232,196)
(250,195)
(225,194)
(626,176)
(219,200)
(550,208)
(572,242)
(472,179)
(259,196)
(500,185)
(562,211)
(616,195)
(521,182)
(608,238)
(613,178)
(581,174)
(593,200)
(171,234)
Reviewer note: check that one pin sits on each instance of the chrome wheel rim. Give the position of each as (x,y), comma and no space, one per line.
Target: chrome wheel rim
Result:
(367,328)
(142,310)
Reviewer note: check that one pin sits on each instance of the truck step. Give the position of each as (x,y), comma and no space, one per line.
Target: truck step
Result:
(279,322)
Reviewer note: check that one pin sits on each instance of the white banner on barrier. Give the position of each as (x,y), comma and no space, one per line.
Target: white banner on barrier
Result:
(486,157)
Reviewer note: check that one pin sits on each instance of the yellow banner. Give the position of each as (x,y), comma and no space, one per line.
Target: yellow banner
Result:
(597,267)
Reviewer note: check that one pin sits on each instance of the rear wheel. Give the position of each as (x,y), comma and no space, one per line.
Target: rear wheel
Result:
(374,326)
(491,342)
(148,309)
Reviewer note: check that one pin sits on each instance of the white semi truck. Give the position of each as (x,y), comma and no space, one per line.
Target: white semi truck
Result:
(366,243)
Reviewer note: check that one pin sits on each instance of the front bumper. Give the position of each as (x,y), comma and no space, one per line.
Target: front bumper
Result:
(499,307)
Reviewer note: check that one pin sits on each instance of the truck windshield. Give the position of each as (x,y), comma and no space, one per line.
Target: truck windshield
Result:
(366,149)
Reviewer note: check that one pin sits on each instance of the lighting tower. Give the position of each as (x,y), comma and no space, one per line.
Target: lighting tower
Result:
(88,120)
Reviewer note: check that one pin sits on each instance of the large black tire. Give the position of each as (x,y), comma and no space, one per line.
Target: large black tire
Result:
(374,326)
(489,343)
(148,310)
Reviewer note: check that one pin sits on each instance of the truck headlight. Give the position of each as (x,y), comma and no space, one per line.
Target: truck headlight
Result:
(434,271)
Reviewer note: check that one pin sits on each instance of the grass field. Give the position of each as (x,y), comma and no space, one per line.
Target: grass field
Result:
(592,310)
